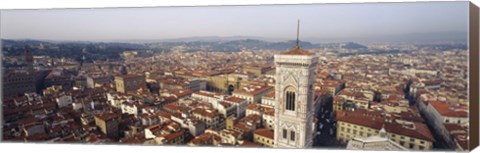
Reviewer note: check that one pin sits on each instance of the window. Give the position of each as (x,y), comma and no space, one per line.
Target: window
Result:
(290,99)
(361,133)
(292,135)
(402,143)
(447,121)
(412,140)
(421,147)
(411,146)
(284,133)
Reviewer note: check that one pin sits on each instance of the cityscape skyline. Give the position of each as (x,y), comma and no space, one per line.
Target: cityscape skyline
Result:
(321,22)
(411,96)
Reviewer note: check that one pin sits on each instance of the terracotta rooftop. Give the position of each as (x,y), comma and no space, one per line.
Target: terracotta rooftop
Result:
(107,116)
(264,132)
(234,99)
(247,143)
(297,51)
(446,109)
(419,130)
(270,95)
(359,119)
(252,90)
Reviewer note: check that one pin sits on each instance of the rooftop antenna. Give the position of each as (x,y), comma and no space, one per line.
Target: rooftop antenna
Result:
(298,33)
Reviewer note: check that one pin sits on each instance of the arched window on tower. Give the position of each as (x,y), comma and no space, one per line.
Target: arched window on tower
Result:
(290,99)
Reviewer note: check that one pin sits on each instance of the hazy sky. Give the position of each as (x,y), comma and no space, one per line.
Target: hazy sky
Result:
(271,21)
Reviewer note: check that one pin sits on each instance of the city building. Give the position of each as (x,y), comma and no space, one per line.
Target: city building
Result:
(264,136)
(129,83)
(18,82)
(294,112)
(252,93)
(365,123)
(108,124)
(378,142)
(97,80)
(257,70)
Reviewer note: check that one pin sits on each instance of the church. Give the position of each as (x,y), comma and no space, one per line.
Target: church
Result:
(294,110)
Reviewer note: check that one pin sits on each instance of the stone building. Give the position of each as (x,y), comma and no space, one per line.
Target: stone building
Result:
(294,111)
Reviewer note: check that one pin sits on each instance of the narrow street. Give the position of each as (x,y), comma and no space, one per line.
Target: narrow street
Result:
(326,131)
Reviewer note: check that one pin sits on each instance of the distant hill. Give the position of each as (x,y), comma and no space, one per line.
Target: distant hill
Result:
(112,50)
(352,45)
(233,45)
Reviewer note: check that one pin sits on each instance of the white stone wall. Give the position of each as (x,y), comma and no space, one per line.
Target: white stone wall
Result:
(64,100)
(298,72)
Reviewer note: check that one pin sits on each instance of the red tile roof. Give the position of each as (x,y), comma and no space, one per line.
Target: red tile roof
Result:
(264,132)
(234,99)
(446,109)
(420,130)
(107,116)
(355,118)
(297,51)
(252,90)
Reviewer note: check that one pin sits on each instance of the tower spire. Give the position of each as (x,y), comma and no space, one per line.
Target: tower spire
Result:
(298,33)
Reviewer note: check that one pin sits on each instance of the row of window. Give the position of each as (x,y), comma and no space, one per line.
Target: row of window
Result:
(263,140)
(411,139)
(448,121)
(360,132)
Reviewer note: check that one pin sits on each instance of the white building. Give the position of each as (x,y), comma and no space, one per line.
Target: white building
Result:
(376,142)
(294,111)
(252,93)
(269,99)
(439,113)
(64,100)
(239,104)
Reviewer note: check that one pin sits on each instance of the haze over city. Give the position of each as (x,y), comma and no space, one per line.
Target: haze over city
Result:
(444,21)
(390,76)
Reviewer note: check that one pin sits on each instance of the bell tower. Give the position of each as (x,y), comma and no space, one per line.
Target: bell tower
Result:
(294,112)
(29,59)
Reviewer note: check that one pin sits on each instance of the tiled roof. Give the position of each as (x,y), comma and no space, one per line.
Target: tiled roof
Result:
(107,116)
(419,130)
(264,132)
(355,118)
(297,51)
(446,109)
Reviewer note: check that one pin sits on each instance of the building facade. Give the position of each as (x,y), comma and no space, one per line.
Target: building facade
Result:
(129,83)
(294,111)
